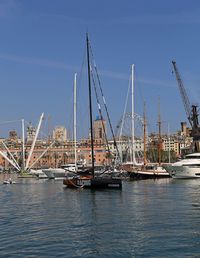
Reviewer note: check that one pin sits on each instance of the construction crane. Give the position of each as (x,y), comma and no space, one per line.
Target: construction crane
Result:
(191,110)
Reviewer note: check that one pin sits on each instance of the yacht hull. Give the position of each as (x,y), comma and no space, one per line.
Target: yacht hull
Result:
(148,174)
(55,173)
(93,183)
(183,172)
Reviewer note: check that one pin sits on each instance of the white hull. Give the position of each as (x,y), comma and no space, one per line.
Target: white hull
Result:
(183,172)
(55,173)
(189,167)
(39,173)
(153,172)
(8,182)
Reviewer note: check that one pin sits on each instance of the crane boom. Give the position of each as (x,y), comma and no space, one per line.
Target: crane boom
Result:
(191,110)
(184,96)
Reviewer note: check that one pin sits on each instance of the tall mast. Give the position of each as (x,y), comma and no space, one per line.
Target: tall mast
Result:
(75,156)
(145,124)
(132,112)
(90,105)
(159,133)
(23,146)
(169,150)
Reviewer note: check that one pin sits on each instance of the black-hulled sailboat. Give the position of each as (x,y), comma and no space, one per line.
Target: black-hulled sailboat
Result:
(91,181)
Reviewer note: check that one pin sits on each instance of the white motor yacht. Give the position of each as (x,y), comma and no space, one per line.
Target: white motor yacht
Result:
(38,173)
(188,167)
(55,173)
(70,167)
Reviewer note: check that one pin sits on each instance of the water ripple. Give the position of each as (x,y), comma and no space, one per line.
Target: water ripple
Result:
(146,219)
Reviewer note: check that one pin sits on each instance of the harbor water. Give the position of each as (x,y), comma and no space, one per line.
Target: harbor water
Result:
(149,218)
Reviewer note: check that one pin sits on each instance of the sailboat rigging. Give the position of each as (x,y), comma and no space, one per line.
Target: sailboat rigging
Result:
(75,156)
(105,106)
(142,170)
(90,105)
(91,181)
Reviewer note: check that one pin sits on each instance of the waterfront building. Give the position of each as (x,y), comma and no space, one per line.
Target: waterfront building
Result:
(59,154)
(62,151)
(60,134)
(13,135)
(171,144)
(185,131)
(124,145)
(99,129)
(30,133)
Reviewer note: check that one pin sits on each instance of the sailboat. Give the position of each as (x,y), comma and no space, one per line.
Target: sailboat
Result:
(91,180)
(144,170)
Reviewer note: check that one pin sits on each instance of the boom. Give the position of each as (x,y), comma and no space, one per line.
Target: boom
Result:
(191,110)
(184,96)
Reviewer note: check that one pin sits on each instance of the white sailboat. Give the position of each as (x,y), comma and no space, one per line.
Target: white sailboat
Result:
(66,169)
(142,170)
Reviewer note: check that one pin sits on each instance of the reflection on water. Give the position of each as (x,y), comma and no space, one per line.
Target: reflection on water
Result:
(145,219)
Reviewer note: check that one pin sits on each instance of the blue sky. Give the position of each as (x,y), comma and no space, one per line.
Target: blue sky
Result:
(43,42)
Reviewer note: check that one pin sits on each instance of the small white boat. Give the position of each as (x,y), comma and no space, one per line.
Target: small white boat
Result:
(8,182)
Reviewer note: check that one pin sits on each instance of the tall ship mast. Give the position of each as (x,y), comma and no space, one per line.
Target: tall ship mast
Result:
(159,134)
(145,136)
(91,181)
(90,105)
